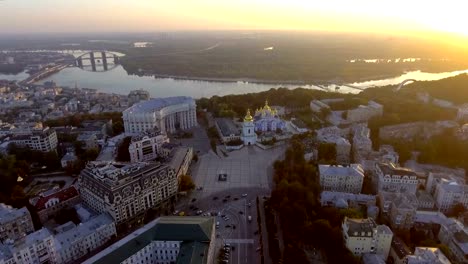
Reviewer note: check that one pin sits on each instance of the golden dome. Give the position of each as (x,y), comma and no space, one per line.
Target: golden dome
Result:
(248,117)
(266,107)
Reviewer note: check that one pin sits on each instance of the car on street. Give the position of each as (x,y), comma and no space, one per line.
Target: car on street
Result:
(249,205)
(225,200)
(249,218)
(244,195)
(235,198)
(199,212)
(176,212)
(241,213)
(215,198)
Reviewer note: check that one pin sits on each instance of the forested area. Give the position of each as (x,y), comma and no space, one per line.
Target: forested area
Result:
(454,89)
(303,222)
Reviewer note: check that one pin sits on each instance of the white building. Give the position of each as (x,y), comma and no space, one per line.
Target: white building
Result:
(89,140)
(363,236)
(449,193)
(396,179)
(180,160)
(334,135)
(345,200)
(42,139)
(136,96)
(37,247)
(455,235)
(147,146)
(364,112)
(362,144)
(427,255)
(462,113)
(317,106)
(74,241)
(14,223)
(166,240)
(126,190)
(248,136)
(166,114)
(341,178)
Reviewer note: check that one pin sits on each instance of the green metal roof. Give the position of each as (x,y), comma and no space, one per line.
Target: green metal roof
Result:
(194,231)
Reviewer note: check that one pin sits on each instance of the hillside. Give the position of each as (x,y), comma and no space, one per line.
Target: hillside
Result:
(454,89)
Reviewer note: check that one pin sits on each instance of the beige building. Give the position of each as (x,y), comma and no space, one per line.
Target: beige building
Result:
(147,146)
(392,178)
(339,178)
(126,190)
(363,236)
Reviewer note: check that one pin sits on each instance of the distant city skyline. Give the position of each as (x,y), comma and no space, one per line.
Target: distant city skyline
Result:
(373,16)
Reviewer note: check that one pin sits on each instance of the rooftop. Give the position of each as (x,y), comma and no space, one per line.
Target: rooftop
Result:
(359,225)
(194,232)
(113,171)
(400,247)
(62,195)
(8,213)
(354,170)
(392,169)
(429,255)
(72,232)
(158,104)
(227,127)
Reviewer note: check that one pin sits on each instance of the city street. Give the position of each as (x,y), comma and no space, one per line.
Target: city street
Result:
(249,174)
(236,231)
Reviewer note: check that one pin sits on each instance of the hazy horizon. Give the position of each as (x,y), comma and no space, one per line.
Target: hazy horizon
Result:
(126,16)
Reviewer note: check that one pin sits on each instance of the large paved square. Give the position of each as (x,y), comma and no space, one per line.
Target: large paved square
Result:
(250,167)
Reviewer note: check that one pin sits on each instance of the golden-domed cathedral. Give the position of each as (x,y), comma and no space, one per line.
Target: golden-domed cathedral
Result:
(267,119)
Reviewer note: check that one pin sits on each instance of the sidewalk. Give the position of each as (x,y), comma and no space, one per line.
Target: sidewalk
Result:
(263,232)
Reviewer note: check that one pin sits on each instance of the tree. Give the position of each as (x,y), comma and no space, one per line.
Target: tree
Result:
(122,151)
(327,152)
(117,128)
(186,183)
(457,210)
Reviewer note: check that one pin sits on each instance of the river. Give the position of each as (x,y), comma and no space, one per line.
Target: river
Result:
(118,81)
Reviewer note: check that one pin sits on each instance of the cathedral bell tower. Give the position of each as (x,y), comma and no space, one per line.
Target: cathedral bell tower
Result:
(249,137)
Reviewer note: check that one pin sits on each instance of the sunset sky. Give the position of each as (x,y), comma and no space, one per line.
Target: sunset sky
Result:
(396,16)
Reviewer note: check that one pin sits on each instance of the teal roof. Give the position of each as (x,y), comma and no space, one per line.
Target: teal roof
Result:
(193,253)
(194,231)
(183,228)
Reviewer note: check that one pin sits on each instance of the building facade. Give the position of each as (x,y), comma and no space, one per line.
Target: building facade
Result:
(363,236)
(74,241)
(449,193)
(166,114)
(47,205)
(166,240)
(37,247)
(14,223)
(339,178)
(396,179)
(364,112)
(147,146)
(180,160)
(41,139)
(126,190)
(249,137)
(267,119)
